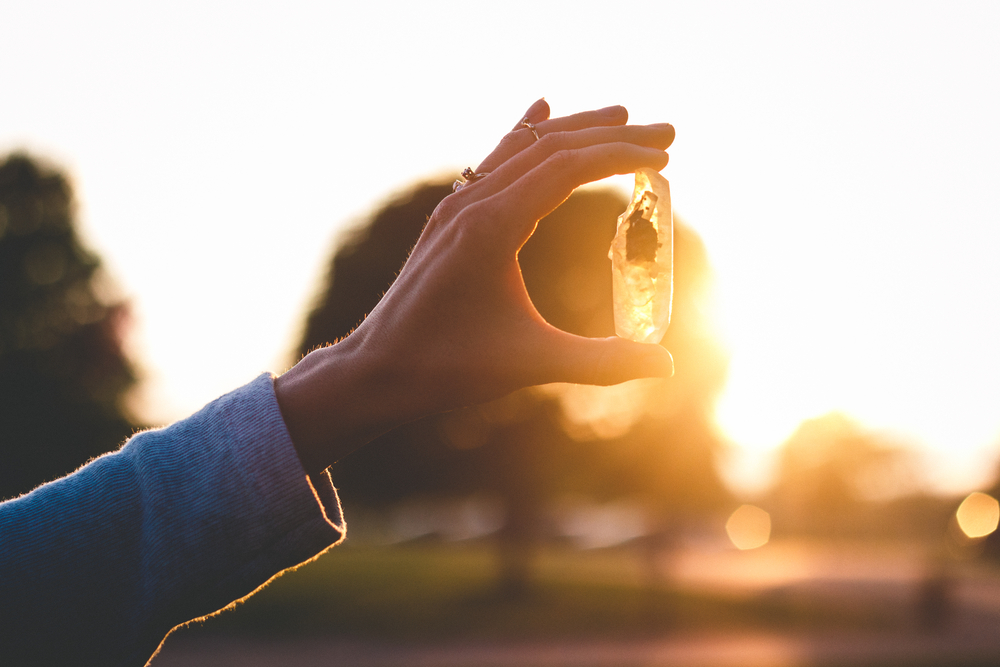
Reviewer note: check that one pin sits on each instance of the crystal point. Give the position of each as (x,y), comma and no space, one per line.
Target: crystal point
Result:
(642,261)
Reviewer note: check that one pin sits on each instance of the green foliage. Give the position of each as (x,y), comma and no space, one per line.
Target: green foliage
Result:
(63,375)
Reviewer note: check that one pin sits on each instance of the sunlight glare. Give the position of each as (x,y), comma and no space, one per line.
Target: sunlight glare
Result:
(749,527)
(840,285)
(601,412)
(978,515)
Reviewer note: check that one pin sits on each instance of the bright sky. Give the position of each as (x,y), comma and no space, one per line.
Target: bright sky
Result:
(839,160)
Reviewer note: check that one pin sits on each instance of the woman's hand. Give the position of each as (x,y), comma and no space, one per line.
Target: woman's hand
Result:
(457,326)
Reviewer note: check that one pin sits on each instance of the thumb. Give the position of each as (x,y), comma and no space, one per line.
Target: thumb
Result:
(605,361)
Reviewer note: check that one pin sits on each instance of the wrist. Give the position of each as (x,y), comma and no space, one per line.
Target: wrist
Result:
(335,400)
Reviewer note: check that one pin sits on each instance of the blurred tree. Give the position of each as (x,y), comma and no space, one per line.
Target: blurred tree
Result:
(833,476)
(63,375)
(991,543)
(520,447)
(668,453)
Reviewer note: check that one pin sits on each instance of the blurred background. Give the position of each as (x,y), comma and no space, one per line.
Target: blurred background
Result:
(195,194)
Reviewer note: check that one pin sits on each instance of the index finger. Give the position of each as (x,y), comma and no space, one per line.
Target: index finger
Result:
(518,207)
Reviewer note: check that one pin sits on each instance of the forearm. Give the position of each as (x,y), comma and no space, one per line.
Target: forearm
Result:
(177,524)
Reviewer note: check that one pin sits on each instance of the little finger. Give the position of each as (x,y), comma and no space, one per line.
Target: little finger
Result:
(522,137)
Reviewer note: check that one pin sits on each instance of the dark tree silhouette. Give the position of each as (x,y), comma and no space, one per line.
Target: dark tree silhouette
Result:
(63,375)
(516,448)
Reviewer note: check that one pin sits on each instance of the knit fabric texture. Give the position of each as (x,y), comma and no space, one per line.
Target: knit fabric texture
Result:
(97,567)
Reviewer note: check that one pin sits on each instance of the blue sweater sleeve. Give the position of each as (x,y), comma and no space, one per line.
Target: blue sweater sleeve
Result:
(97,567)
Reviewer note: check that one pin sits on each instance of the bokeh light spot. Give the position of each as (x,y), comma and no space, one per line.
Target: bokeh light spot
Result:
(749,527)
(978,515)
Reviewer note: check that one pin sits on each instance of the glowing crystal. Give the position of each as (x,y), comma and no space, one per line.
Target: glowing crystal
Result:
(642,261)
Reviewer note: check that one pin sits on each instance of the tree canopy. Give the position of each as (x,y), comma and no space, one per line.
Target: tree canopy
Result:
(63,373)
(519,447)
(836,477)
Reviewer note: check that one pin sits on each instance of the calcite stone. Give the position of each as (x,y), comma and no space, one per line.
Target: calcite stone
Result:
(642,261)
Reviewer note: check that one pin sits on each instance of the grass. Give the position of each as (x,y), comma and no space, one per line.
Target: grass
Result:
(433,592)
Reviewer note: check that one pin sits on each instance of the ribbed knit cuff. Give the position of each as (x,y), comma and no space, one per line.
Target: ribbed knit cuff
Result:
(300,517)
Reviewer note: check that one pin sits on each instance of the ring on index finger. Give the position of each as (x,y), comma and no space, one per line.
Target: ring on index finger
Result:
(531,126)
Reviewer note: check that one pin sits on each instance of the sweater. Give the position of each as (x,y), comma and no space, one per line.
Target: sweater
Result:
(97,567)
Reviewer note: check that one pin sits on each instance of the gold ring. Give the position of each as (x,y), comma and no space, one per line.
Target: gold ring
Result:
(531,126)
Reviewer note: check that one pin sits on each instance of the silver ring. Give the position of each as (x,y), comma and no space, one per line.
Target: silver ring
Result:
(531,126)
(470,176)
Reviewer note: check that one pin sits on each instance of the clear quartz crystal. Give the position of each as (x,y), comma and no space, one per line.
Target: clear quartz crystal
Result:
(642,261)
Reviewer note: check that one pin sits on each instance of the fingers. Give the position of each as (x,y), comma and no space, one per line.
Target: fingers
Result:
(658,136)
(521,137)
(613,115)
(534,195)
(536,113)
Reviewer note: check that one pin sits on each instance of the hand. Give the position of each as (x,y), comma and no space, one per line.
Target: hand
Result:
(457,326)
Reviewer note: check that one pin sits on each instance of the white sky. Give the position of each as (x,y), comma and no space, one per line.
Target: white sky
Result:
(840,161)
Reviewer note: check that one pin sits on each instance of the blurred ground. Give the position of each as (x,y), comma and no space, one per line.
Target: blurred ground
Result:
(751,651)
(789,603)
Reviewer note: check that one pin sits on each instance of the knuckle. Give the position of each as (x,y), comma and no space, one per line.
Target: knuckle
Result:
(511,142)
(457,211)
(561,160)
(448,207)
(550,143)
(481,225)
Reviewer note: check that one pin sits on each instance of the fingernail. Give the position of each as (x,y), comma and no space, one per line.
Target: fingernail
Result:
(535,111)
(611,111)
(660,364)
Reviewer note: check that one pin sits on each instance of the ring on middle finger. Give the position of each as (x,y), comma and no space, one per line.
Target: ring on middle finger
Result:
(531,126)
